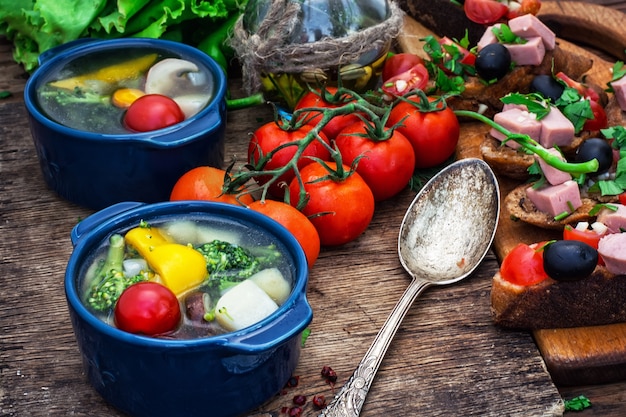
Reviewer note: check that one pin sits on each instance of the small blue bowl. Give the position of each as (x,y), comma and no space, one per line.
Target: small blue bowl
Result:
(218,376)
(96,170)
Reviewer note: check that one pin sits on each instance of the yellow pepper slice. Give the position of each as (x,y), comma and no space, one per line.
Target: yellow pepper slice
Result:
(180,267)
(145,239)
(111,74)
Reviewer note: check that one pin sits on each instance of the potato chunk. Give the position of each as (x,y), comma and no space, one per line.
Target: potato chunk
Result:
(243,305)
(272,281)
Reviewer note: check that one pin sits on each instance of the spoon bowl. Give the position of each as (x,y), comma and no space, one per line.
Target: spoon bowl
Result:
(445,234)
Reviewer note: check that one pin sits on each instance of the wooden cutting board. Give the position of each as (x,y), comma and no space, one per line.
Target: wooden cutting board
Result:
(575,356)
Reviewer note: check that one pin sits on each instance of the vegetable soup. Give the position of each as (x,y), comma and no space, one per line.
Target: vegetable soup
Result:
(95,92)
(214,277)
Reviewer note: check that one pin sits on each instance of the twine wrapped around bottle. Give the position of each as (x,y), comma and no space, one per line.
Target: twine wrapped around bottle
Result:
(269,51)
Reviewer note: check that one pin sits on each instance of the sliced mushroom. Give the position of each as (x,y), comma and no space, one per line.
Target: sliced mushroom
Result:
(171,77)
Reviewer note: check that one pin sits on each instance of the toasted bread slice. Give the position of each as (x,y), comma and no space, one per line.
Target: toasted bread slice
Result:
(595,300)
(519,207)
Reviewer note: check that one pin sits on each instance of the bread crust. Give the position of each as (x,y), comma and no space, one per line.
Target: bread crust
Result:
(595,300)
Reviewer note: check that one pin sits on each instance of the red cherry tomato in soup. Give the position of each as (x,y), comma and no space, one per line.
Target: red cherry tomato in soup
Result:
(269,137)
(340,209)
(414,78)
(317,99)
(386,165)
(400,63)
(433,134)
(523,265)
(147,308)
(484,12)
(152,112)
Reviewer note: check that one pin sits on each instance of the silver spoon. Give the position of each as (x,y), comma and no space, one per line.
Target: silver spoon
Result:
(445,234)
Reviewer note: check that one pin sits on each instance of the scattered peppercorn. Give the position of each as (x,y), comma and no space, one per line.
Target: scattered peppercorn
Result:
(299,400)
(329,374)
(319,401)
(295,412)
(293,382)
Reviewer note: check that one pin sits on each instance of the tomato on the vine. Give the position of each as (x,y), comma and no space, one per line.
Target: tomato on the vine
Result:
(316,99)
(523,265)
(485,12)
(271,136)
(147,308)
(205,183)
(340,208)
(433,134)
(386,164)
(152,112)
(296,222)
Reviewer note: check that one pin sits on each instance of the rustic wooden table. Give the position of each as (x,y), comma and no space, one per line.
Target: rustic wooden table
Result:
(447,358)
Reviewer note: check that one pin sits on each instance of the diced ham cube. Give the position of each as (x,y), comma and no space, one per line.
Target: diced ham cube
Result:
(488,37)
(619,89)
(612,249)
(556,129)
(553,175)
(614,220)
(529,26)
(529,53)
(517,121)
(556,199)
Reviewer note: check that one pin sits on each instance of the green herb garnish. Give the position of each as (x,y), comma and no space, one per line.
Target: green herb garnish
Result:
(577,403)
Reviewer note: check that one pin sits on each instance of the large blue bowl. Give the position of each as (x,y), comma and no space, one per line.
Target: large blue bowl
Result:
(218,376)
(96,170)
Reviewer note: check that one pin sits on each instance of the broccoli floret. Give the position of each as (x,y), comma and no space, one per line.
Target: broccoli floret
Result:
(109,281)
(229,264)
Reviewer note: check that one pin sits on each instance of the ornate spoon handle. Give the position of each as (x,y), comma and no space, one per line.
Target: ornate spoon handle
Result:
(350,399)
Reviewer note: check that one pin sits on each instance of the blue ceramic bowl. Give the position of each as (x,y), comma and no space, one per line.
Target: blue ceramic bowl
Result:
(217,376)
(96,170)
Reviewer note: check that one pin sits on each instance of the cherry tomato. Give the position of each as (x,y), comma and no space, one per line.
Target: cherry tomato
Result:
(386,165)
(433,135)
(583,90)
(414,78)
(398,63)
(152,112)
(523,265)
(147,308)
(269,137)
(340,209)
(599,120)
(465,56)
(315,99)
(205,183)
(296,222)
(622,198)
(587,236)
(525,7)
(484,12)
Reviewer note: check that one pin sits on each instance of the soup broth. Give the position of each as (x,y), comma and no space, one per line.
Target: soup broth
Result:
(272,272)
(79,94)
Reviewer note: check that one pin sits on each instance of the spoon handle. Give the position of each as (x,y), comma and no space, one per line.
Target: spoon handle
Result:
(350,399)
